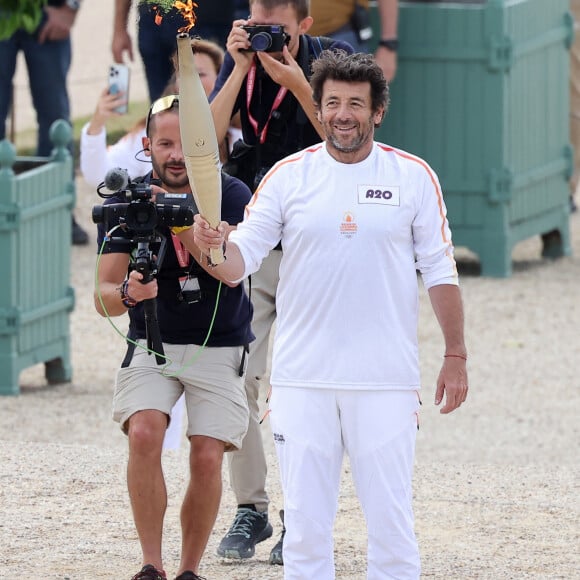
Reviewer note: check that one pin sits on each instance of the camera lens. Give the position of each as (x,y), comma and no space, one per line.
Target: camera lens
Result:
(261,41)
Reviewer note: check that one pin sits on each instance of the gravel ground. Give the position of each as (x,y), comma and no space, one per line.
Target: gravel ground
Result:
(496,483)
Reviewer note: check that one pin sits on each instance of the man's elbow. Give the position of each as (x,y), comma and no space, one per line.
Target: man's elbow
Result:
(99,304)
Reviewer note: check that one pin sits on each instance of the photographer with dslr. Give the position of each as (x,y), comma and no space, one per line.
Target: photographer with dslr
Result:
(266,81)
(192,310)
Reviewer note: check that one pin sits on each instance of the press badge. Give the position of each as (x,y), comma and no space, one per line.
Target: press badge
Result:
(190,292)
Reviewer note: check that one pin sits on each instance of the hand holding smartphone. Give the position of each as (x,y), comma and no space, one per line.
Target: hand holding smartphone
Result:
(119,82)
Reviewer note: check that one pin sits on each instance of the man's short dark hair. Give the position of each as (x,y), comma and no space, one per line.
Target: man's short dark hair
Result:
(359,67)
(164,104)
(301,7)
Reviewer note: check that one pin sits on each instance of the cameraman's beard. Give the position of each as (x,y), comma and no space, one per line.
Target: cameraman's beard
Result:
(170,182)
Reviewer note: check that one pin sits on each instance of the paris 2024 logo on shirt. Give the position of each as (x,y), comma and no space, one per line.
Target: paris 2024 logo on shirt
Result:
(348,227)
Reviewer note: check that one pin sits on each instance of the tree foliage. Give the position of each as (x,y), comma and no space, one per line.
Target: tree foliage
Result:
(19,14)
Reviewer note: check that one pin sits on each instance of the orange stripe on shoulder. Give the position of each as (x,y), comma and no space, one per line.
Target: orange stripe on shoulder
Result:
(431,177)
(286,161)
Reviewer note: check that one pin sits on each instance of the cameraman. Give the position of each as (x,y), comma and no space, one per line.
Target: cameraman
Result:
(211,377)
(272,94)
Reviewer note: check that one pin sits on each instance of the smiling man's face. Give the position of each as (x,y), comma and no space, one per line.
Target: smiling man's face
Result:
(348,119)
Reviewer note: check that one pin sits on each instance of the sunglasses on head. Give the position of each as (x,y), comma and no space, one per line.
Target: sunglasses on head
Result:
(160,105)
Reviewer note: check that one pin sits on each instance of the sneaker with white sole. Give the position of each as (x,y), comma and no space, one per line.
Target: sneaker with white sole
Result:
(250,527)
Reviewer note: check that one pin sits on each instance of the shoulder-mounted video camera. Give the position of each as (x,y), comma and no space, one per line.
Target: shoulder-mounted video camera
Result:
(140,215)
(266,38)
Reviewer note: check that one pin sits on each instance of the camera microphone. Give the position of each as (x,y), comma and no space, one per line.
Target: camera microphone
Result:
(117,179)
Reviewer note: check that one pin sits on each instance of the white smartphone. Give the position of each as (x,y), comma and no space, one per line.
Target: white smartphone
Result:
(119,82)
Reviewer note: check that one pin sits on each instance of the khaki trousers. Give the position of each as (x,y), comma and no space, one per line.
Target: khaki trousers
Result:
(247,466)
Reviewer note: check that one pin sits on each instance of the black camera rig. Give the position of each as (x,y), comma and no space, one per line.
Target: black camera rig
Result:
(140,217)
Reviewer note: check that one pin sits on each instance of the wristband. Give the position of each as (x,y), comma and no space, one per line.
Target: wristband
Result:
(391,44)
(127,301)
(464,357)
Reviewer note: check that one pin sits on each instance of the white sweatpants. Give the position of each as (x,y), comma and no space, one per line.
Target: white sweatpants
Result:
(312,430)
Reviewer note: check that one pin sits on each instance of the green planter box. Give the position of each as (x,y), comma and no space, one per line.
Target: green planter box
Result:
(36,197)
(482,93)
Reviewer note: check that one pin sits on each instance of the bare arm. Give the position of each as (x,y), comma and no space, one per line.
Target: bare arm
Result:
(58,25)
(452,381)
(204,238)
(121,39)
(223,103)
(200,256)
(389,16)
(112,271)
(289,74)
(105,110)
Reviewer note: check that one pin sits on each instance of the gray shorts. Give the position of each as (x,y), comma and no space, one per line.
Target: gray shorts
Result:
(215,396)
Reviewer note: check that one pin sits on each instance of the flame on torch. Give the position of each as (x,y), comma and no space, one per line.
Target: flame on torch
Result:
(186,9)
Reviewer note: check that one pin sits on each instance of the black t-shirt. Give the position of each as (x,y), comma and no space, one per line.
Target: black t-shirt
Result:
(179,322)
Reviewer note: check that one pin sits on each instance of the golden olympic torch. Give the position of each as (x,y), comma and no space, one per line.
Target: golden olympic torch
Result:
(198,140)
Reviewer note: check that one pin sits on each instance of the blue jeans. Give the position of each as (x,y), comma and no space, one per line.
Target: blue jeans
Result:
(157,43)
(48,66)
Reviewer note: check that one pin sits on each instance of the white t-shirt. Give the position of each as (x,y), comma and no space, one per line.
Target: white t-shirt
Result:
(353,236)
(96,158)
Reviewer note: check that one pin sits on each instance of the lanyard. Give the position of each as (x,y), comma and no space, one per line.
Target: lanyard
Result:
(250,82)
(180,251)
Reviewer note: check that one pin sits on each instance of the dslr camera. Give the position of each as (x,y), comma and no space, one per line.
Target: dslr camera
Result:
(140,215)
(266,37)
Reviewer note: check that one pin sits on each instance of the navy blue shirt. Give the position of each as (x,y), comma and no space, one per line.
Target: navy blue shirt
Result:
(179,322)
(289,129)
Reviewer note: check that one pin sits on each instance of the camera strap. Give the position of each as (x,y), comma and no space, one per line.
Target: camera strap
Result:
(250,84)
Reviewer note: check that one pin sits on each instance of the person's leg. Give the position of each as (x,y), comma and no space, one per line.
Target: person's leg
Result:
(307,433)
(146,483)
(202,499)
(48,65)
(247,465)
(379,429)
(141,405)
(217,412)
(156,45)
(8,53)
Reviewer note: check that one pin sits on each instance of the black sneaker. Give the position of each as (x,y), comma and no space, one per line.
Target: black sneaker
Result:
(189,575)
(250,527)
(149,572)
(79,236)
(276,553)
